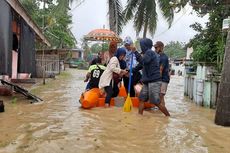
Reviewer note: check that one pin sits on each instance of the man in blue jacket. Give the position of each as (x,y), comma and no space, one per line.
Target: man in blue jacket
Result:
(151,77)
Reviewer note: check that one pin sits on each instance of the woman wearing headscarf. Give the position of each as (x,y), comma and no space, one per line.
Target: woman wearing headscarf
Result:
(115,65)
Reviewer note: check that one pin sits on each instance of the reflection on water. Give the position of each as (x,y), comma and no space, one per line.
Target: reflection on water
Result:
(58,125)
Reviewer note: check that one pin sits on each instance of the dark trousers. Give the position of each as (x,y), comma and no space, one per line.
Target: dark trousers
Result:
(111,91)
(87,86)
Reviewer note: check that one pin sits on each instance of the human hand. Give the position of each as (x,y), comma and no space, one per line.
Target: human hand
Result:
(127,74)
(123,72)
(133,49)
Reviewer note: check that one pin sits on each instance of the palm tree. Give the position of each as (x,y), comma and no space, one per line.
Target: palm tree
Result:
(64,5)
(145,14)
(116,18)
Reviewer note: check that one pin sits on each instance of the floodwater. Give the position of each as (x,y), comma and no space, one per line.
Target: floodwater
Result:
(58,125)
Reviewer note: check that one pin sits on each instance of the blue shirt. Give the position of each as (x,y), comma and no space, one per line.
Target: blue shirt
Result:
(164,62)
(128,58)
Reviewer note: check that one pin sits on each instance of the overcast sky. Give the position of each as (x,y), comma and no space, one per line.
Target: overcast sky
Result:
(92,14)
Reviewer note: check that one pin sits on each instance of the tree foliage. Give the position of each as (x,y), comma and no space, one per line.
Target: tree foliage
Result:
(145,15)
(56,20)
(207,6)
(116,18)
(95,48)
(209,43)
(175,50)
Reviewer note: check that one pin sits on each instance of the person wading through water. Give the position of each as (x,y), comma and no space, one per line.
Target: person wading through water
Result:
(136,75)
(94,73)
(106,81)
(150,77)
(164,70)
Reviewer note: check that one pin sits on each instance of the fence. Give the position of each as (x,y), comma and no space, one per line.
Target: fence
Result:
(201,88)
(50,63)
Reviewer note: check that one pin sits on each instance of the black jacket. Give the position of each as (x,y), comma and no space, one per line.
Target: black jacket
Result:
(149,63)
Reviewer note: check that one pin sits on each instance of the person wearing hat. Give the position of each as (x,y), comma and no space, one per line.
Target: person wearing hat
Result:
(150,77)
(136,76)
(164,70)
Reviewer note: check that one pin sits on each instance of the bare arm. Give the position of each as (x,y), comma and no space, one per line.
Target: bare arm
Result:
(87,77)
(161,69)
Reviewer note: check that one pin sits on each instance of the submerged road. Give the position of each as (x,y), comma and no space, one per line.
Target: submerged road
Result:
(58,125)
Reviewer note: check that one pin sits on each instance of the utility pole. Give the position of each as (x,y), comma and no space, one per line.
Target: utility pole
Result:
(223,101)
(43,46)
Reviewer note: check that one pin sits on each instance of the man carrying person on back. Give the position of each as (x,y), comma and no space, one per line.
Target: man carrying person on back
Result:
(164,70)
(150,77)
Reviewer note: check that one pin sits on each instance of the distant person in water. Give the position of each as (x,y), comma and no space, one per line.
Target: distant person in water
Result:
(94,73)
(151,77)
(106,81)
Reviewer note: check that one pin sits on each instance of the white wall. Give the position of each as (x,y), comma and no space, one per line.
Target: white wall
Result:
(189,52)
(177,68)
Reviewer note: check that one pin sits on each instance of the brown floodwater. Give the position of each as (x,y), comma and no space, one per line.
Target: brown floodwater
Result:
(58,125)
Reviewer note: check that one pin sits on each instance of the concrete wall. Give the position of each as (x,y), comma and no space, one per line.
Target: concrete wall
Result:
(180,67)
(200,88)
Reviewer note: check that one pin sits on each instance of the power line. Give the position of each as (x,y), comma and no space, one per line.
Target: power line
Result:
(173,24)
(78,5)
